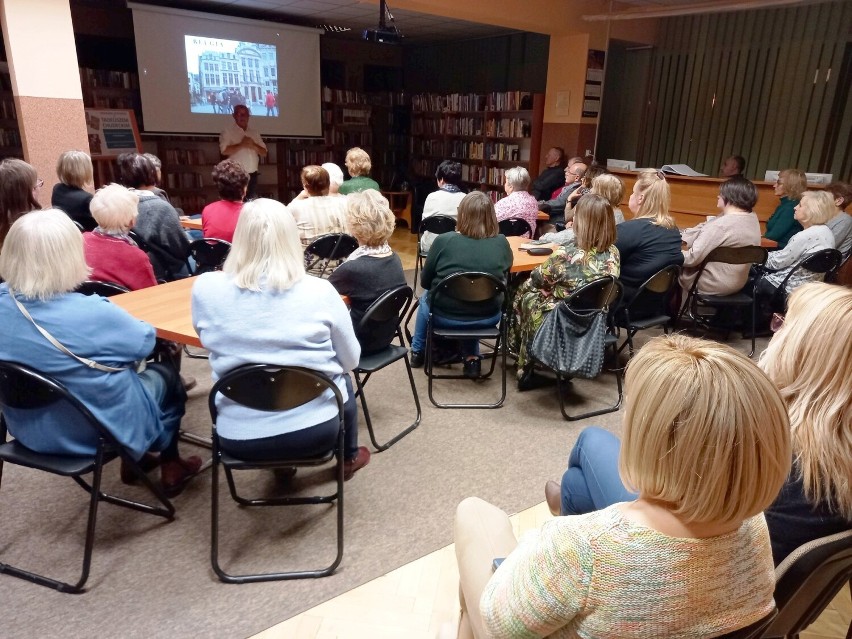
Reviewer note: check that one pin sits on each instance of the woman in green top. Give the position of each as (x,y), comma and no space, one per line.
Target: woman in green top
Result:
(781,226)
(358,164)
(593,255)
(475,246)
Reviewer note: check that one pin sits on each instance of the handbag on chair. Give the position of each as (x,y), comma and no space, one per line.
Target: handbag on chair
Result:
(571,342)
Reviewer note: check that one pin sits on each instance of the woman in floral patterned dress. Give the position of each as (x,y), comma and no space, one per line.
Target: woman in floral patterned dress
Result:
(593,255)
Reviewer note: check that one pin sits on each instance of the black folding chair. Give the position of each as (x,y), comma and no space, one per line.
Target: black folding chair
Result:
(332,246)
(268,387)
(437,225)
(159,257)
(25,389)
(515,226)
(104,289)
(725,255)
(824,262)
(209,254)
(384,316)
(654,293)
(472,288)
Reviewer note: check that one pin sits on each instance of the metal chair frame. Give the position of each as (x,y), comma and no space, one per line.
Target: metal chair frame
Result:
(331,246)
(825,261)
(271,387)
(515,226)
(470,287)
(662,283)
(437,224)
(392,304)
(209,254)
(25,388)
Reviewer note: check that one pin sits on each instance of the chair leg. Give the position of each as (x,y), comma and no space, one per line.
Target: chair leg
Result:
(360,385)
(602,411)
(189,353)
(753,322)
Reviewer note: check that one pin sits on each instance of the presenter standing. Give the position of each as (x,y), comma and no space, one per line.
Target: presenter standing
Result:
(244,146)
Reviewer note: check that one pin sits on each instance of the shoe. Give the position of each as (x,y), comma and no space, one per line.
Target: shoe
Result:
(529,380)
(188,382)
(148,462)
(553,495)
(350,466)
(417,359)
(473,368)
(176,473)
(284,475)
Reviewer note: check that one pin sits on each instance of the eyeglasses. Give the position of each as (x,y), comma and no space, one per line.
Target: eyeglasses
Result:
(39,183)
(776,322)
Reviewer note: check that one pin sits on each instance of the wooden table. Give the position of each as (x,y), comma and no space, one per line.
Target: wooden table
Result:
(523,261)
(167,307)
(193,224)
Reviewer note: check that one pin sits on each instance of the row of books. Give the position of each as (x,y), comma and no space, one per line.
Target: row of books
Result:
(509,101)
(494,196)
(496,101)
(191,204)
(7,109)
(468,150)
(379,98)
(349,116)
(10,137)
(5,82)
(303,157)
(351,138)
(447,126)
(185,156)
(184,180)
(104,78)
(508,128)
(112,102)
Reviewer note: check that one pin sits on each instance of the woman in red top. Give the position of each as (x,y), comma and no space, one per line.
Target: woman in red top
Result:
(219,218)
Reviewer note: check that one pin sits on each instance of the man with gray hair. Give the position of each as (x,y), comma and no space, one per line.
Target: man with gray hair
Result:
(574,173)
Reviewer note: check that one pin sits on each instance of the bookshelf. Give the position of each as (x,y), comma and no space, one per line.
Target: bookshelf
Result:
(10,135)
(487,133)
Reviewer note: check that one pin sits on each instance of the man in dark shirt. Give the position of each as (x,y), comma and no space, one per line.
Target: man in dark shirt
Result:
(552,177)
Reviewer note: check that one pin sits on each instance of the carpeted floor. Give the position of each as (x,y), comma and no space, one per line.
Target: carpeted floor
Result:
(151,578)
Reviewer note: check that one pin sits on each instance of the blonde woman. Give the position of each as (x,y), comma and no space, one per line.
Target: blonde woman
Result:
(238,316)
(75,173)
(782,225)
(809,360)
(373,268)
(612,188)
(706,445)
(358,164)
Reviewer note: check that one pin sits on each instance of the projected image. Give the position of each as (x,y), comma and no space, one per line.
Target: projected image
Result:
(224,73)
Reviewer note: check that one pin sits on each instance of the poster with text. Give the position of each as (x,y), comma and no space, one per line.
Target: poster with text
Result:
(112,132)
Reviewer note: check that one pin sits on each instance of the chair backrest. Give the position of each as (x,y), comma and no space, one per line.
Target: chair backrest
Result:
(104,289)
(332,246)
(471,287)
(656,290)
(209,254)
(515,226)
(437,224)
(270,387)
(807,580)
(737,255)
(824,261)
(602,293)
(382,319)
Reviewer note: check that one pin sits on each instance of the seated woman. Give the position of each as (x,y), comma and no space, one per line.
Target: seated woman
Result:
(319,213)
(75,173)
(736,225)
(19,185)
(805,359)
(782,225)
(109,251)
(219,218)
(841,223)
(42,263)
(607,185)
(238,314)
(158,223)
(476,245)
(444,201)
(592,256)
(518,201)
(373,268)
(358,164)
(707,447)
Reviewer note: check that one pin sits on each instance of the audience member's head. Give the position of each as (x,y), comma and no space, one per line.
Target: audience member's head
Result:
(593,171)
(738,193)
(115,208)
(266,253)
(555,157)
(19,185)
(449,171)
(815,207)
(43,255)
(791,183)
(842,194)
(135,171)
(517,178)
(74,168)
(732,166)
(476,217)
(651,198)
(241,116)
(335,176)
(358,162)
(809,360)
(594,223)
(231,180)
(609,186)
(315,180)
(706,433)
(575,171)
(369,218)
(158,166)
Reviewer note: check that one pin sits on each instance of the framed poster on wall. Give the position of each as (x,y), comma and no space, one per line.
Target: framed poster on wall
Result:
(112,132)
(594,83)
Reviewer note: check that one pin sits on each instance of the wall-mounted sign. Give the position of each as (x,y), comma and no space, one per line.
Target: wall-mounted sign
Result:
(112,132)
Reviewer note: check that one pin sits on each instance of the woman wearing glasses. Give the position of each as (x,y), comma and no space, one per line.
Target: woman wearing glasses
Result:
(19,186)
(782,225)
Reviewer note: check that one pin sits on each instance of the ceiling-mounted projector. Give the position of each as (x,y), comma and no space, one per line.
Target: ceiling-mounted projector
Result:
(383,34)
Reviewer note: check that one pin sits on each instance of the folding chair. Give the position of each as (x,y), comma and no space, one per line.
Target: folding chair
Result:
(23,388)
(385,315)
(438,225)
(656,291)
(726,255)
(515,226)
(104,289)
(824,262)
(470,287)
(331,246)
(269,387)
(209,254)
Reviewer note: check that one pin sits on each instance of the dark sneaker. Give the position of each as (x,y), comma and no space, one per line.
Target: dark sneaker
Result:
(472,368)
(417,359)
(350,466)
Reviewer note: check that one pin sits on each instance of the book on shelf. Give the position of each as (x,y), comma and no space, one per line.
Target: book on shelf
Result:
(510,101)
(113,79)
(184,180)
(185,156)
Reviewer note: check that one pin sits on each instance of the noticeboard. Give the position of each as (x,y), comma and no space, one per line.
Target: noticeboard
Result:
(112,132)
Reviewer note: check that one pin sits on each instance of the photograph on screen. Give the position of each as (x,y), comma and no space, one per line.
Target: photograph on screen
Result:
(224,73)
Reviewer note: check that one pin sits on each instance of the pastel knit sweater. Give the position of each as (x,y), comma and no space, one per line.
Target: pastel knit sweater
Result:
(602,575)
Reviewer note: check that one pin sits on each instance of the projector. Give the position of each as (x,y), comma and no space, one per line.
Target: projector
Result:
(383,35)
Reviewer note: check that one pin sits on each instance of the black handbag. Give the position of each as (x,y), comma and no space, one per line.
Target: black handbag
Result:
(571,342)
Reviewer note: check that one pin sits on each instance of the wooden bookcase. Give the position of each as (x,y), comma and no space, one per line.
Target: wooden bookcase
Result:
(10,134)
(487,133)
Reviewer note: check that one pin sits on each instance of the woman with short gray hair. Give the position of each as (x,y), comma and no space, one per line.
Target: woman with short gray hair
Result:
(518,201)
